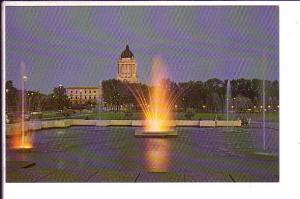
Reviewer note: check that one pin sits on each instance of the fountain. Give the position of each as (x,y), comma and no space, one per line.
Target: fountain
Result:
(228,95)
(264,115)
(158,108)
(264,99)
(264,151)
(22,142)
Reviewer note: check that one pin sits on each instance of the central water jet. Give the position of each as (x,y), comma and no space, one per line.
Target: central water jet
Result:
(158,109)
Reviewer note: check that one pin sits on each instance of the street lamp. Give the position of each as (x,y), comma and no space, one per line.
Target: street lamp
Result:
(25,78)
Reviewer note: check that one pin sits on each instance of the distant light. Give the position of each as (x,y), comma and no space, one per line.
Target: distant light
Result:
(277,106)
(203,106)
(254,106)
(269,106)
(261,106)
(232,106)
(60,85)
(25,78)
(249,109)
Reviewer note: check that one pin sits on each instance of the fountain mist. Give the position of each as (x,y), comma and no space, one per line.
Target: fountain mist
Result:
(228,96)
(23,141)
(157,107)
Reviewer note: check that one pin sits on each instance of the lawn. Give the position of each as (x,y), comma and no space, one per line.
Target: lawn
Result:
(270,116)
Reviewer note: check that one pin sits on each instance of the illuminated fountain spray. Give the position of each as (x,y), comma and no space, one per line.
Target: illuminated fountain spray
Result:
(23,141)
(264,114)
(157,107)
(228,96)
(264,100)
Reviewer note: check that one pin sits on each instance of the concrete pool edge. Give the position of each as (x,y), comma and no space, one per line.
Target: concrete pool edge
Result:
(12,129)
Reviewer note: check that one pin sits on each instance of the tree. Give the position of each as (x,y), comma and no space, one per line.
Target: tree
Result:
(61,100)
(216,90)
(11,96)
(242,103)
(34,100)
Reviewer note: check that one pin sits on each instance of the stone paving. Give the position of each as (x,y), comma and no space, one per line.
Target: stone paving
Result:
(113,154)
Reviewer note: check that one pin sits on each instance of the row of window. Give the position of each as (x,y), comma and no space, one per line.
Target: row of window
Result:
(85,97)
(84,92)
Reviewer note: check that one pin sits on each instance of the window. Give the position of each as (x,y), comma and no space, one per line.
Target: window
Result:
(90,91)
(71,91)
(84,91)
(94,91)
(76,92)
(94,97)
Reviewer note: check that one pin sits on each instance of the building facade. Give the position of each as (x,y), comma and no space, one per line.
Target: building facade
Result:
(127,67)
(127,71)
(83,95)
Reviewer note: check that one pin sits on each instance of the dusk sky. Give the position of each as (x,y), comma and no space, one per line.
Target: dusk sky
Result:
(80,46)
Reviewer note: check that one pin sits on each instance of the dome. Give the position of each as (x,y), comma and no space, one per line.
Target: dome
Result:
(127,53)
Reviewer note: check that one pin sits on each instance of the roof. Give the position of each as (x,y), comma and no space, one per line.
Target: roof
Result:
(83,87)
(127,53)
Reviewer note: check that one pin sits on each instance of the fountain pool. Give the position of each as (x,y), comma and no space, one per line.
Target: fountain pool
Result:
(113,154)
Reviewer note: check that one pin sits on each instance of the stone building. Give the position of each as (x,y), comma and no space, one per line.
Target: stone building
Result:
(127,71)
(82,95)
(127,67)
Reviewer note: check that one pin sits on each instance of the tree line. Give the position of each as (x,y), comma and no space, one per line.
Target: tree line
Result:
(208,96)
(35,100)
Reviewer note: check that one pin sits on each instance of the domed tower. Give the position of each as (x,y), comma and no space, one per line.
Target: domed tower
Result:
(127,67)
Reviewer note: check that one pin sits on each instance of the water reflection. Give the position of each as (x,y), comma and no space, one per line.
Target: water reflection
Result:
(158,156)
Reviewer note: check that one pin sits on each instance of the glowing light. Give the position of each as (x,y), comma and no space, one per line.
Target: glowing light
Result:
(158,155)
(19,143)
(157,108)
(21,139)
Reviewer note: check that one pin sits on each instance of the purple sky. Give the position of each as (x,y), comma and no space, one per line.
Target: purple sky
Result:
(80,46)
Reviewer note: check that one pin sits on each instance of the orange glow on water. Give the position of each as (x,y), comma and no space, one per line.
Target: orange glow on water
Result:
(157,155)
